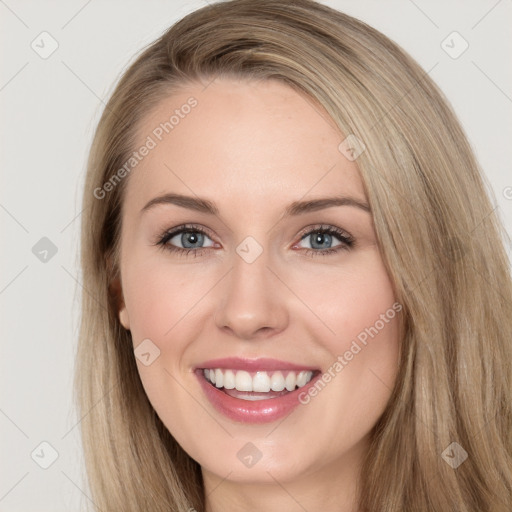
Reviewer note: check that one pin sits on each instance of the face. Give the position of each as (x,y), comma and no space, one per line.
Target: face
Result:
(232,260)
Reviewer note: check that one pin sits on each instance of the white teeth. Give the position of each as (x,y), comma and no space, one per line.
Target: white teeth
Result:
(261,382)
(252,398)
(302,379)
(290,381)
(277,382)
(219,378)
(229,379)
(243,381)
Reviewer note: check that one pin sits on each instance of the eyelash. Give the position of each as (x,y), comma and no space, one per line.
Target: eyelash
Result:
(347,241)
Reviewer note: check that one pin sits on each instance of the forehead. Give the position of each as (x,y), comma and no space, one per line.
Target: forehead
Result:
(252,141)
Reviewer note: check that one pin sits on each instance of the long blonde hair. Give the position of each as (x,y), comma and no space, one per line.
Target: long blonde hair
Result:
(438,234)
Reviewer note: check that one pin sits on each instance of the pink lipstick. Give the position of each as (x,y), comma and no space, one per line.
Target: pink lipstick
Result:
(254,390)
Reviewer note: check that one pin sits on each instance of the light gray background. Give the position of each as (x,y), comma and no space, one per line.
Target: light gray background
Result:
(49,110)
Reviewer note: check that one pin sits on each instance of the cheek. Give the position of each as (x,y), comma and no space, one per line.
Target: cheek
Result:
(352,302)
(359,328)
(161,298)
(362,311)
(162,301)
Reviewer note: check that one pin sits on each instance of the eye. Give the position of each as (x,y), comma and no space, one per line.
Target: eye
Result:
(190,237)
(320,240)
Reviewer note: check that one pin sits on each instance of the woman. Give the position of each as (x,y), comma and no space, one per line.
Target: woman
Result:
(368,370)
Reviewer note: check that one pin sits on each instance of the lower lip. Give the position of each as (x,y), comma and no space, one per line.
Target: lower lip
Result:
(253,411)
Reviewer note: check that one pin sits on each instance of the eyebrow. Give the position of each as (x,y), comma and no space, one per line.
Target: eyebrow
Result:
(296,208)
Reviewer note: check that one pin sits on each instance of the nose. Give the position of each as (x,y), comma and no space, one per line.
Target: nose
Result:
(252,300)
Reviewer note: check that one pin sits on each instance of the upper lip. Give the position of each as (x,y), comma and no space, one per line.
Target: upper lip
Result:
(252,365)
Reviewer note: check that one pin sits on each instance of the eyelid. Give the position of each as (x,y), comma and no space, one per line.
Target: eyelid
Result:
(325,228)
(172,232)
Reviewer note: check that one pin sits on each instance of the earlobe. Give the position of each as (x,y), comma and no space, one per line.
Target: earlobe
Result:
(116,294)
(123,317)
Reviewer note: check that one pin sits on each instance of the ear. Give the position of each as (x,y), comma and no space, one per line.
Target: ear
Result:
(116,293)
(120,306)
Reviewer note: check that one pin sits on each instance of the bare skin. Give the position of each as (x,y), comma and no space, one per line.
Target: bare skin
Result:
(253,148)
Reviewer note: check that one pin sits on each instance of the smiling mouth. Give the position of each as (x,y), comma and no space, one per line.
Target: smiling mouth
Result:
(258,385)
